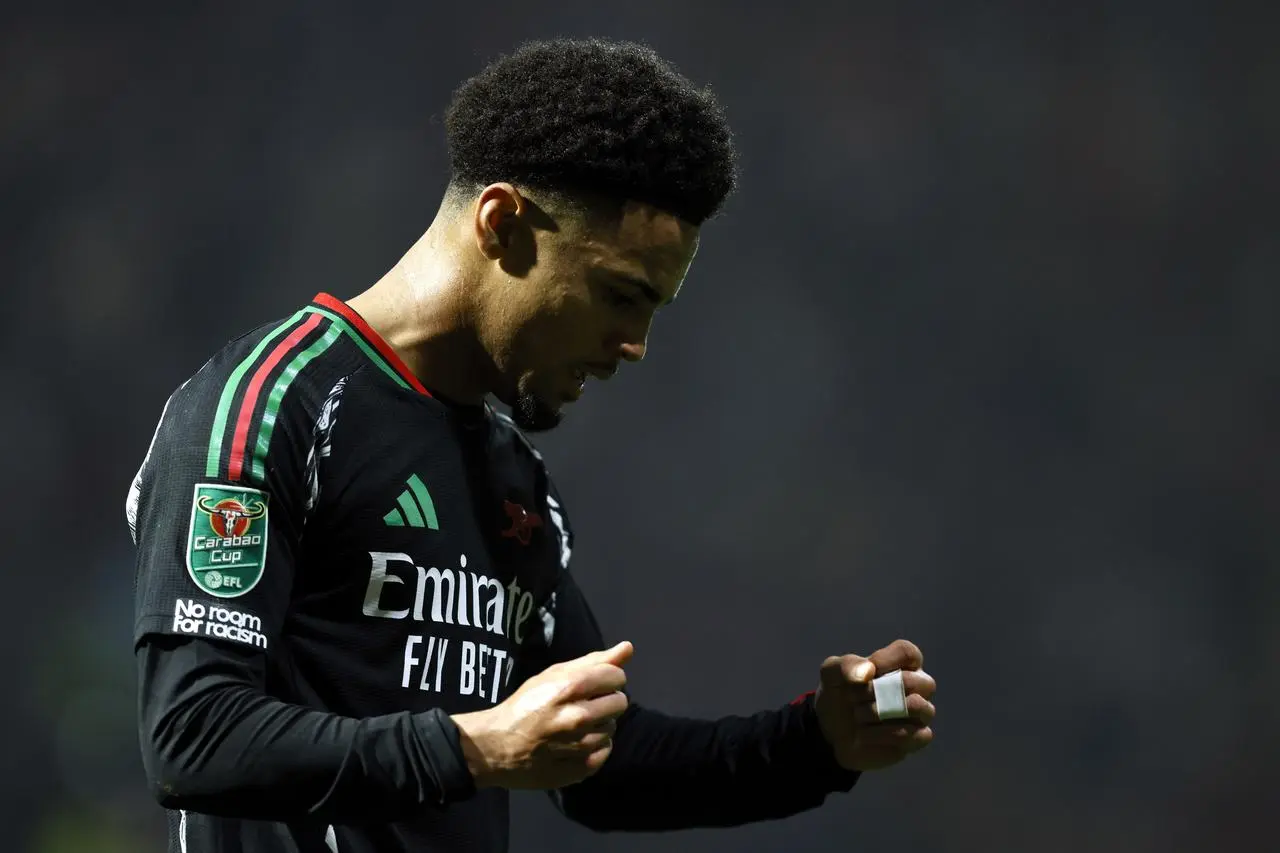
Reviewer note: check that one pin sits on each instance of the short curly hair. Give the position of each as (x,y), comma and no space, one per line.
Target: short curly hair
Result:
(606,119)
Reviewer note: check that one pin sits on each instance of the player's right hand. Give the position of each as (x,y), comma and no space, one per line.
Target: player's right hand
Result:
(556,729)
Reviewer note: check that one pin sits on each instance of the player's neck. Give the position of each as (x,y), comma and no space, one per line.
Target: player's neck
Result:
(419,308)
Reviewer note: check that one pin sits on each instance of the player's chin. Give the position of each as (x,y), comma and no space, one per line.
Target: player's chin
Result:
(532,412)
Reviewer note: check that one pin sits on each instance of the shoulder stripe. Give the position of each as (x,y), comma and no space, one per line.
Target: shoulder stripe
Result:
(373,354)
(217,434)
(286,378)
(240,438)
(370,341)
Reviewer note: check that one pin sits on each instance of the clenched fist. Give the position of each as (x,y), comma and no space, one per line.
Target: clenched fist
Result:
(556,729)
(847,714)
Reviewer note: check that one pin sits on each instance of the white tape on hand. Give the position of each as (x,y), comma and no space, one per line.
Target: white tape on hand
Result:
(891,696)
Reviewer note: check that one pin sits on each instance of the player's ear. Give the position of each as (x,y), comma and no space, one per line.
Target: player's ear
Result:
(504,228)
(496,219)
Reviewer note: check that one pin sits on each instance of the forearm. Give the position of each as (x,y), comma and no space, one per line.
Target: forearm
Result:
(214,743)
(673,773)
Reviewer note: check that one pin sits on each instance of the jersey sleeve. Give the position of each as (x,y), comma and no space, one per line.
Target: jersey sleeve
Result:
(217,508)
(668,772)
(217,511)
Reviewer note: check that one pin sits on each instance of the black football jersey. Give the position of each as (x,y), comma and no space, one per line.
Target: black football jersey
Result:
(306,500)
(331,563)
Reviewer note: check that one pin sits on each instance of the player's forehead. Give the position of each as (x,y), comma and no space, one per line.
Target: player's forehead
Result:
(643,242)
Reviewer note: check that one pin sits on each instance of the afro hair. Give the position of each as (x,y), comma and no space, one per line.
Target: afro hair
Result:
(606,119)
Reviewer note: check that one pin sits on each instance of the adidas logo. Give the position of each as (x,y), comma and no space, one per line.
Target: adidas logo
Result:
(415,508)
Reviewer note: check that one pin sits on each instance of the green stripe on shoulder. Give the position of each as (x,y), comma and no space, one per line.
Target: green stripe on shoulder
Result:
(217,435)
(373,354)
(278,391)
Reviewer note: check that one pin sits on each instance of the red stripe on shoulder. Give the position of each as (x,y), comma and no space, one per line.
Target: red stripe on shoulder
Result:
(240,440)
(384,349)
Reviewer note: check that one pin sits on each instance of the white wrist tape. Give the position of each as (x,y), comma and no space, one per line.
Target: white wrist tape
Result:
(891,696)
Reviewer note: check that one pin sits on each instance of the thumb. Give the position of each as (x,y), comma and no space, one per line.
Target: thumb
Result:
(618,655)
(838,671)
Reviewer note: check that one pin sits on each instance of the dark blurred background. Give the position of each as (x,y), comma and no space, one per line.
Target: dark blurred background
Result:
(983,354)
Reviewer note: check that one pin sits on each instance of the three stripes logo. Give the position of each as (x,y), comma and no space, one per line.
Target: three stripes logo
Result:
(414,507)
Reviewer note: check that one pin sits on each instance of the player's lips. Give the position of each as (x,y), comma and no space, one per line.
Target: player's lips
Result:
(603,372)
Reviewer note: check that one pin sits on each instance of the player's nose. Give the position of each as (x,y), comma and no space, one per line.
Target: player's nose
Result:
(633,351)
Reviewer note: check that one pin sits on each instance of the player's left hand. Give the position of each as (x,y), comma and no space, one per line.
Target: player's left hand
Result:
(845,702)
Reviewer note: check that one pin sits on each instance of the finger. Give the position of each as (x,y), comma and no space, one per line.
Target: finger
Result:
(577,752)
(619,655)
(845,671)
(892,733)
(597,758)
(574,719)
(589,714)
(592,741)
(919,740)
(918,708)
(900,735)
(578,724)
(606,727)
(920,683)
(598,679)
(900,654)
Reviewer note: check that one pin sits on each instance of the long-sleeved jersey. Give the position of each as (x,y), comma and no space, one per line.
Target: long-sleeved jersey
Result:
(331,563)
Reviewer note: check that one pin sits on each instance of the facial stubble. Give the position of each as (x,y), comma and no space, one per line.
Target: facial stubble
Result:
(532,414)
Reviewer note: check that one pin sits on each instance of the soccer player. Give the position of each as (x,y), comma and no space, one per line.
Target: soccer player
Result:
(357,625)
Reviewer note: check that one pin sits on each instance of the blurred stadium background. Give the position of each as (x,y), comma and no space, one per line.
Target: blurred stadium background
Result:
(983,354)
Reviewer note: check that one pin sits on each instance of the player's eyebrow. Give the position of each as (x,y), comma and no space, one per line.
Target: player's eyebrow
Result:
(650,292)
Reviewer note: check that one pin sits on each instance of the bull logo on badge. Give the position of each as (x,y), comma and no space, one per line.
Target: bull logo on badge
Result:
(227,541)
(229,518)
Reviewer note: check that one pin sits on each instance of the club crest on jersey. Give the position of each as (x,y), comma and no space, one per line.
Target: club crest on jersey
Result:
(523,522)
(227,541)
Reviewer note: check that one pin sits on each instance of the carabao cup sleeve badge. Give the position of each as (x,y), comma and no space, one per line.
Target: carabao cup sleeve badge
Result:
(227,541)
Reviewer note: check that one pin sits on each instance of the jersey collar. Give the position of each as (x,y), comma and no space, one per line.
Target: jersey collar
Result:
(380,348)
